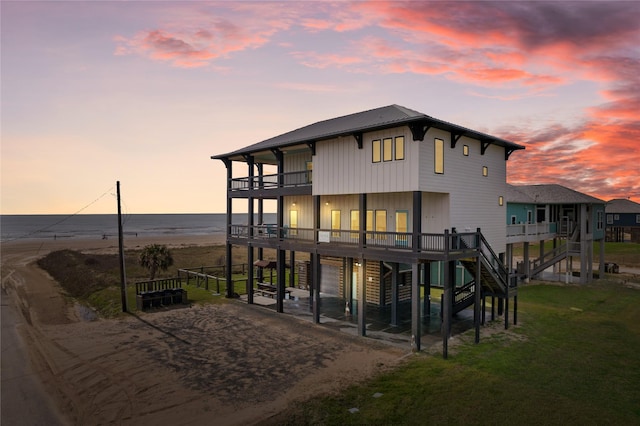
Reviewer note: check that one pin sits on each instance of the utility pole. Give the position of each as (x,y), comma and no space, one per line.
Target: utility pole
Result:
(123,278)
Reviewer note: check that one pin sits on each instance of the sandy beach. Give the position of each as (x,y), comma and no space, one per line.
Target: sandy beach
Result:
(226,364)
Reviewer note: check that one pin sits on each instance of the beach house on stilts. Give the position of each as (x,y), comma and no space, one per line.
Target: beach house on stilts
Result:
(564,223)
(385,204)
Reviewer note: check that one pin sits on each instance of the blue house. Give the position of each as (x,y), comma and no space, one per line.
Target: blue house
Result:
(573,221)
(623,218)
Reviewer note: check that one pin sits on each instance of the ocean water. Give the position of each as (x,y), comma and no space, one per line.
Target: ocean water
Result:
(15,227)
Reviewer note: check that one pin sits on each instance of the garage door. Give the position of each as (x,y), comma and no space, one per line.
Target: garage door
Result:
(329,280)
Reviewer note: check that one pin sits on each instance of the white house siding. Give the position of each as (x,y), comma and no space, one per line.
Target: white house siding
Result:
(341,168)
(473,198)
(296,162)
(391,202)
(304,206)
(435,212)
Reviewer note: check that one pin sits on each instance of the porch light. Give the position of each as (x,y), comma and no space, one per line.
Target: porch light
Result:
(326,204)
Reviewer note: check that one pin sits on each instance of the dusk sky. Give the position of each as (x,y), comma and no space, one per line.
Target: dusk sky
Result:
(145,92)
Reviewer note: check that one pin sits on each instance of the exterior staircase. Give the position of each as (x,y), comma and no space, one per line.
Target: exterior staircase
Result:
(494,277)
(556,255)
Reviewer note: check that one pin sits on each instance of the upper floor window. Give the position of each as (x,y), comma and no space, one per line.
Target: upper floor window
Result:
(438,152)
(376,151)
(638,218)
(399,148)
(355,222)
(599,221)
(309,171)
(387,149)
(381,223)
(293,222)
(610,219)
(335,223)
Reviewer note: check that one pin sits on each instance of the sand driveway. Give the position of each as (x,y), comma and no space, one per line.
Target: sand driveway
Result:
(217,364)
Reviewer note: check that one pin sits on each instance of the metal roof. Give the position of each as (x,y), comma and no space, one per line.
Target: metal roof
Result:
(555,194)
(366,121)
(622,205)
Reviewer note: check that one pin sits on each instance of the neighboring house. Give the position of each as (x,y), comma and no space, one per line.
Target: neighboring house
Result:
(572,220)
(623,217)
(376,200)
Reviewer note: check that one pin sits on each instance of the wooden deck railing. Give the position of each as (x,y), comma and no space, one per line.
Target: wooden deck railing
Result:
(271,181)
(389,240)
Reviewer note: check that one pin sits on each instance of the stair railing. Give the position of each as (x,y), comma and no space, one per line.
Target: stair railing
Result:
(493,263)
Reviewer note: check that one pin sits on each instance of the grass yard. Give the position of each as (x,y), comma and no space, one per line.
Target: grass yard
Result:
(627,254)
(94,279)
(574,359)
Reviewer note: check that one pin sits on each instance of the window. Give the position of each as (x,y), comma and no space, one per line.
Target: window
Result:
(355,222)
(438,152)
(599,221)
(369,222)
(387,149)
(376,150)
(513,220)
(616,217)
(610,219)
(335,223)
(309,171)
(638,218)
(465,150)
(402,225)
(529,216)
(293,221)
(485,171)
(399,148)
(501,200)
(381,223)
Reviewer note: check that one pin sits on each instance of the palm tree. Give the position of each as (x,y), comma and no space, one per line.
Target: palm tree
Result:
(154,257)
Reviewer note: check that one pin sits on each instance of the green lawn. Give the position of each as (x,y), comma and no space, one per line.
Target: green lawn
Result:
(627,254)
(574,359)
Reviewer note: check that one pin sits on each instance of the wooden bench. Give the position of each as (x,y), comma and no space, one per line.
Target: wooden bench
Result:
(158,293)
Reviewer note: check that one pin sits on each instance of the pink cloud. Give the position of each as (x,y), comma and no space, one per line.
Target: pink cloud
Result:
(198,38)
(514,49)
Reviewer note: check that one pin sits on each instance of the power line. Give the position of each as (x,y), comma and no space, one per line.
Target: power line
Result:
(108,191)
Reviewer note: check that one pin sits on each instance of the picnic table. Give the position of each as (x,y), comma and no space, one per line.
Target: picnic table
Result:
(270,290)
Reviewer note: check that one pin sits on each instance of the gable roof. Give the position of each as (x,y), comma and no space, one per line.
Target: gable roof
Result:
(622,205)
(366,121)
(554,194)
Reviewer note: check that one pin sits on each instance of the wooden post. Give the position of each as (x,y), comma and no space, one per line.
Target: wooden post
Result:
(280,264)
(123,277)
(426,268)
(395,277)
(416,329)
(315,286)
(362,298)
(478,288)
(446,299)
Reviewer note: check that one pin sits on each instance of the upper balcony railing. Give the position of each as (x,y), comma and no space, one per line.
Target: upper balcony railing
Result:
(531,229)
(272,181)
(460,242)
